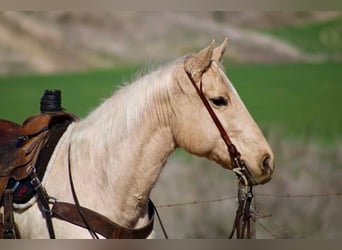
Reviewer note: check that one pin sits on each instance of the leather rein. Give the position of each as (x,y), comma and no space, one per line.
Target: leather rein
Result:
(96,223)
(246,179)
(81,216)
(245,195)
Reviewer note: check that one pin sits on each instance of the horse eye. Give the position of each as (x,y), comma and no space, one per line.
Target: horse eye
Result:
(219,101)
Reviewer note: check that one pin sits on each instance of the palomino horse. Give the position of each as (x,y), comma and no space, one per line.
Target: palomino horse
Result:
(118,151)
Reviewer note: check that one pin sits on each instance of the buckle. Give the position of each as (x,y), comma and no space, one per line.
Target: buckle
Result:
(239,172)
(31,169)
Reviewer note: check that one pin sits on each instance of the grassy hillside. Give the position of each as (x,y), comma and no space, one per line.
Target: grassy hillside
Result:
(299,100)
(322,37)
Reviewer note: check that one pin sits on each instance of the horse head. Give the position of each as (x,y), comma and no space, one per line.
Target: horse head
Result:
(194,129)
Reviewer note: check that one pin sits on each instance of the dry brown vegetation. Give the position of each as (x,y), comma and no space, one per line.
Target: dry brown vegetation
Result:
(301,168)
(66,41)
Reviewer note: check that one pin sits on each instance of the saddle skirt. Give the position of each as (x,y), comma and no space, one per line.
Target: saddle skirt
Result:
(27,145)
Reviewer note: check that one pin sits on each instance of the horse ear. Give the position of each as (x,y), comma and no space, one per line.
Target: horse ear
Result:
(219,51)
(197,64)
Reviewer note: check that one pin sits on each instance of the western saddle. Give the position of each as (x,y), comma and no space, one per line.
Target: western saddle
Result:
(28,147)
(25,151)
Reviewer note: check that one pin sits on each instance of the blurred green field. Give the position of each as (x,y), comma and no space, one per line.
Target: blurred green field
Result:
(300,100)
(297,100)
(321,37)
(81,92)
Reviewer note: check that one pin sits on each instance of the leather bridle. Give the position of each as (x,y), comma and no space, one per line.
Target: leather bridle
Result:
(246,179)
(238,165)
(96,223)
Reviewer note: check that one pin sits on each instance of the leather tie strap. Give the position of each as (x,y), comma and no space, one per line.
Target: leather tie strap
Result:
(43,198)
(8,228)
(243,217)
(95,222)
(99,223)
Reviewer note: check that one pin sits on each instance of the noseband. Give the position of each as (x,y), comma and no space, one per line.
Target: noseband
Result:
(246,179)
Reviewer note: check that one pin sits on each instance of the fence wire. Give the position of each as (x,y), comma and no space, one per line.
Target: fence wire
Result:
(301,195)
(196,202)
(333,194)
(258,216)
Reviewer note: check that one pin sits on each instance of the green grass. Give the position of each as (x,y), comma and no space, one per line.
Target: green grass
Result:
(20,95)
(300,100)
(322,37)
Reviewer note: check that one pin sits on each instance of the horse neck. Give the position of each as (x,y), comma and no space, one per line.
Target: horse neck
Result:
(121,147)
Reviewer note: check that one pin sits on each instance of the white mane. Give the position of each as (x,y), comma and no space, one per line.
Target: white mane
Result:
(127,106)
(109,144)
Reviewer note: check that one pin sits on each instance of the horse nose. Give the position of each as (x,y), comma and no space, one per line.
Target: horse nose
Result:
(267,164)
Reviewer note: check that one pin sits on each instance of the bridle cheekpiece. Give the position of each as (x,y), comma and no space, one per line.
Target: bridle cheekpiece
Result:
(246,179)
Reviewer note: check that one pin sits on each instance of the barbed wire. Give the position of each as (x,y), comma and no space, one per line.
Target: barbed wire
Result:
(257,195)
(267,230)
(300,195)
(258,216)
(196,202)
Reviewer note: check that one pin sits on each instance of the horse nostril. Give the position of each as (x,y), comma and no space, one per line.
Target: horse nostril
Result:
(266,165)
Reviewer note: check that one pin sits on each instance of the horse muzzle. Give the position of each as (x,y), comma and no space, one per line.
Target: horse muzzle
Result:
(246,175)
